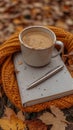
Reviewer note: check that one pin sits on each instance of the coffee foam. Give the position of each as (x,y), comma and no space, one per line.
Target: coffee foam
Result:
(38,40)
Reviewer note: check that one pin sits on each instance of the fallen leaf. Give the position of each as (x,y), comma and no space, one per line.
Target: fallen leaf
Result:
(61,24)
(11,121)
(2,9)
(58,113)
(56,118)
(21,116)
(17,21)
(12,124)
(8,113)
(36,125)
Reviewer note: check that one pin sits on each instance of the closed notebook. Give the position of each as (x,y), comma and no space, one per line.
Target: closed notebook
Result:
(59,85)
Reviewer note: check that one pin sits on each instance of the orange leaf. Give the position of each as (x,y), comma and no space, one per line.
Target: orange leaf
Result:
(12,124)
(36,125)
(21,116)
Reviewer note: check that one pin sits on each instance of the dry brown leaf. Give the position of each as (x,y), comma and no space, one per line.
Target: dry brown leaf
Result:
(36,125)
(12,124)
(17,21)
(8,113)
(58,113)
(21,116)
(61,24)
(56,118)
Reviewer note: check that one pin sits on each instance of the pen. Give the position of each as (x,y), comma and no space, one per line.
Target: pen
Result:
(45,77)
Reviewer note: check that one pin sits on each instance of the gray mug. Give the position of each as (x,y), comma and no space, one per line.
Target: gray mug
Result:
(38,57)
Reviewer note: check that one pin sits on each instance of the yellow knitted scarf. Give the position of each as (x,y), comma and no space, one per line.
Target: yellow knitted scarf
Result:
(7,72)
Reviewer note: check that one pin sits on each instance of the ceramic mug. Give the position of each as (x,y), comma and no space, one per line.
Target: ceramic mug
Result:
(38,57)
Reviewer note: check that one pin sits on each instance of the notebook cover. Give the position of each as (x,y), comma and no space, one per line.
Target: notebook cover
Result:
(59,85)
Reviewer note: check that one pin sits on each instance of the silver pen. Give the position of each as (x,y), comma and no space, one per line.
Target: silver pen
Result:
(45,77)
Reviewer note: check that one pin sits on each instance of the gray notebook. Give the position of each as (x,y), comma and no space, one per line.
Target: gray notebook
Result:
(59,85)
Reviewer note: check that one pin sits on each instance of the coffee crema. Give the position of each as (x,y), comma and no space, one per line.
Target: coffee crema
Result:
(37,40)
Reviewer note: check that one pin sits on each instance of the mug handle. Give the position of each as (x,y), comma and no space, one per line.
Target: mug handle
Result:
(61,49)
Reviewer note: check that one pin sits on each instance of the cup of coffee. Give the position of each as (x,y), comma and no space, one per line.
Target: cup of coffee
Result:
(37,45)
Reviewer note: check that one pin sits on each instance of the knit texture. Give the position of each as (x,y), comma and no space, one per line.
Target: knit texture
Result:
(7,71)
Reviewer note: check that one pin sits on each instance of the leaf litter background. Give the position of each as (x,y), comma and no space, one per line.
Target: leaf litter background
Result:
(16,14)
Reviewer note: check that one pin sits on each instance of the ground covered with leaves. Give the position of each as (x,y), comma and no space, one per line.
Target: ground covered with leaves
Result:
(15,15)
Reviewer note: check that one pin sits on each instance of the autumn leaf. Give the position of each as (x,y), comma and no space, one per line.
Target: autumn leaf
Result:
(11,121)
(21,116)
(13,124)
(58,113)
(8,113)
(35,125)
(55,118)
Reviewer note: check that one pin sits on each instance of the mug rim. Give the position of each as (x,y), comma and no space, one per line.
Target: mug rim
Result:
(32,27)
